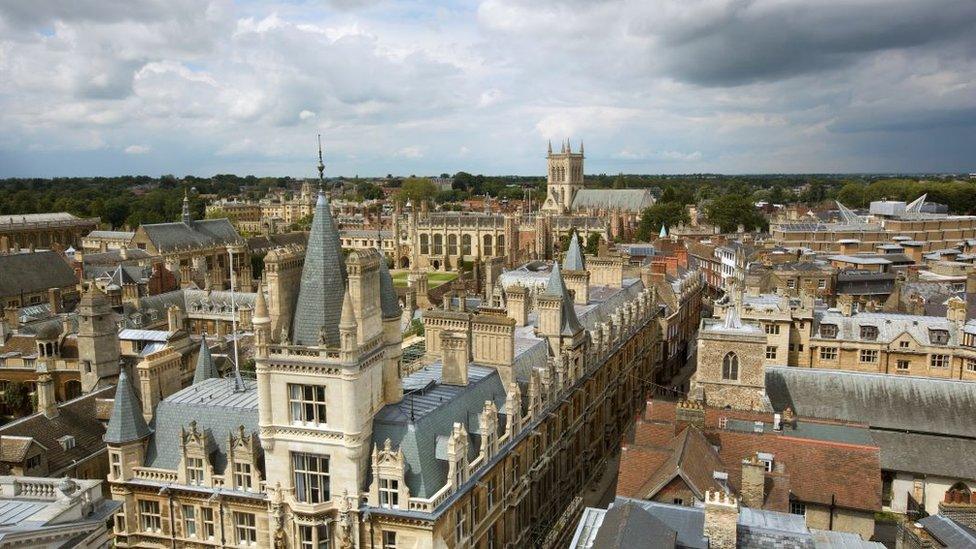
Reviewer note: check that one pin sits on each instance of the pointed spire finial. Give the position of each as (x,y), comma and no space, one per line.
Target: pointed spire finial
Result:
(321,164)
(569,146)
(187,218)
(550,146)
(581,146)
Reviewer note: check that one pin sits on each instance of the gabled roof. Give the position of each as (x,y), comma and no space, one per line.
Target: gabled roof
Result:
(688,456)
(34,272)
(557,288)
(126,423)
(628,200)
(627,525)
(206,369)
(195,234)
(574,260)
(323,282)
(76,417)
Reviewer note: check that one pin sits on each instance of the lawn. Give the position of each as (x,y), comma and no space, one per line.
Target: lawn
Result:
(434,278)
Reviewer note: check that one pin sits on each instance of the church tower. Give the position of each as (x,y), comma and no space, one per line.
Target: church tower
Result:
(564,179)
(98,340)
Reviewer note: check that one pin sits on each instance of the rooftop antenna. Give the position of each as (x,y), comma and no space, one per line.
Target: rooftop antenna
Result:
(238,382)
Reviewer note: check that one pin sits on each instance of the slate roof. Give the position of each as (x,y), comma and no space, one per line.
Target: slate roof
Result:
(889,325)
(118,235)
(905,403)
(427,412)
(952,457)
(126,423)
(34,272)
(261,244)
(204,233)
(389,302)
(76,418)
(323,283)
(629,525)
(574,260)
(628,200)
(557,288)
(949,532)
(218,410)
(206,369)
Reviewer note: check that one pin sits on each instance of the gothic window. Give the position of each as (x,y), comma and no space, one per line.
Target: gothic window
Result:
(307,403)
(311,477)
(730,367)
(389,493)
(149,517)
(465,244)
(424,244)
(438,244)
(486,247)
(452,244)
(500,244)
(189,521)
(246,528)
(194,471)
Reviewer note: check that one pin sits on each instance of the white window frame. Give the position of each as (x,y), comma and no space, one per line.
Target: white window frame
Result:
(302,468)
(307,404)
(189,521)
(868,356)
(194,471)
(242,476)
(150,517)
(245,528)
(389,493)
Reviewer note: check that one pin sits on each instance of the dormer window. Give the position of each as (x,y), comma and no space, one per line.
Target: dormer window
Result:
(828,331)
(767,460)
(939,337)
(869,333)
(194,471)
(67,442)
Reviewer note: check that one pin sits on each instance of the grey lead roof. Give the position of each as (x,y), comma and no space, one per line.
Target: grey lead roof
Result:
(429,410)
(905,403)
(949,532)
(629,525)
(630,200)
(126,423)
(389,302)
(217,408)
(206,369)
(323,283)
(196,234)
(574,256)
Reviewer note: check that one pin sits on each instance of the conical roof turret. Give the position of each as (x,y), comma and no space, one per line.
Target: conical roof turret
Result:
(126,423)
(206,369)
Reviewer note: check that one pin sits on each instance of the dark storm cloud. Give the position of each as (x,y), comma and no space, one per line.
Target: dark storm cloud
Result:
(750,41)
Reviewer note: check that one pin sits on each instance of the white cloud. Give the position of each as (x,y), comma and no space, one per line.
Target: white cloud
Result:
(220,86)
(137,149)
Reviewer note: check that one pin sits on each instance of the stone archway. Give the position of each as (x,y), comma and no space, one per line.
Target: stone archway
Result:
(436,264)
(404,262)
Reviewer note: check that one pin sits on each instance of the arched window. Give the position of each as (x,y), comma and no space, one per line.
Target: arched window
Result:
(452,247)
(424,244)
(72,389)
(438,244)
(486,246)
(500,244)
(730,367)
(465,244)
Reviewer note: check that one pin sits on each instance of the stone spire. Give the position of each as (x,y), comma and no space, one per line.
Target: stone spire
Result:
(557,288)
(574,260)
(126,423)
(581,146)
(550,147)
(663,233)
(323,282)
(260,304)
(187,218)
(206,368)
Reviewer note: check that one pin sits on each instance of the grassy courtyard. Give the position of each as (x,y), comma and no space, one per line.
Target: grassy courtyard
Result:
(434,278)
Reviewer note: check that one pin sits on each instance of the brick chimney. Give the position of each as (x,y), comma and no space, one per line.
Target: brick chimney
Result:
(753,489)
(721,520)
(846,304)
(687,413)
(454,348)
(54,300)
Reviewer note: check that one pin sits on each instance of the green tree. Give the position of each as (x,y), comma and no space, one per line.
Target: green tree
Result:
(416,189)
(592,244)
(369,191)
(732,210)
(668,214)
(303,224)
(852,195)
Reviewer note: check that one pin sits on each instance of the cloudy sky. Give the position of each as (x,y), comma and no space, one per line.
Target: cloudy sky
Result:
(107,87)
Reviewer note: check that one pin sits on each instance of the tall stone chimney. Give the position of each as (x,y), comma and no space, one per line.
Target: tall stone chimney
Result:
(846,304)
(54,300)
(454,347)
(517,299)
(687,413)
(753,489)
(721,520)
(47,403)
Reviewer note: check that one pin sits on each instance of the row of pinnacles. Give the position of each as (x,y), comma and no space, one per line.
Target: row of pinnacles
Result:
(487,337)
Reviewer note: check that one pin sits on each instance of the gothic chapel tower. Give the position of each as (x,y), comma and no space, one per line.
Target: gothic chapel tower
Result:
(564,179)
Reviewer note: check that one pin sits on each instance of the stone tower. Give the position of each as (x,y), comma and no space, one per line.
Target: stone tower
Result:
(565,178)
(98,340)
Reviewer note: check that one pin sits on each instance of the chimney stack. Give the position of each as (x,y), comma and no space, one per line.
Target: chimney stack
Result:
(454,347)
(753,489)
(721,520)
(54,300)
(46,401)
(688,413)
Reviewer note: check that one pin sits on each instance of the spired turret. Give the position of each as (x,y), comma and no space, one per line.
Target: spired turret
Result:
(323,283)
